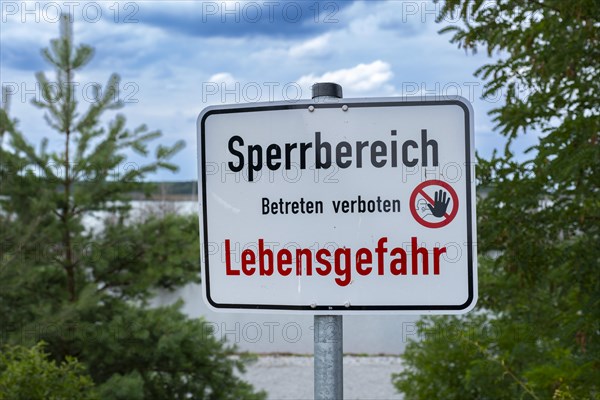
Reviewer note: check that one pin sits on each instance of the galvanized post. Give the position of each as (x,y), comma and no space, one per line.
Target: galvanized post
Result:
(329,370)
(328,329)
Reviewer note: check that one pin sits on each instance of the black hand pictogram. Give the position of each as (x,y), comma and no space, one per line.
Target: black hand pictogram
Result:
(440,204)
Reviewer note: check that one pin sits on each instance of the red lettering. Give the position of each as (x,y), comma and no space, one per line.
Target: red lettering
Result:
(321,254)
(437,252)
(284,257)
(308,255)
(266,268)
(248,258)
(398,251)
(345,273)
(415,251)
(363,256)
(228,269)
(380,250)
(266,263)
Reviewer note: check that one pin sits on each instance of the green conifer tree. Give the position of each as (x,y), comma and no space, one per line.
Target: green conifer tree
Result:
(85,292)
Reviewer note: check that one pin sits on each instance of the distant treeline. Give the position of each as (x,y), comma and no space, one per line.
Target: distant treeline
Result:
(175,191)
(185,190)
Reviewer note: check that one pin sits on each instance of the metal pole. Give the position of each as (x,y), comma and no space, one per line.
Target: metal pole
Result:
(329,369)
(328,329)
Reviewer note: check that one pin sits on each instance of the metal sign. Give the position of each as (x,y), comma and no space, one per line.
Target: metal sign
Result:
(358,205)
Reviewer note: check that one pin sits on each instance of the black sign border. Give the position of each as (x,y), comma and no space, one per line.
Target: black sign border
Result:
(384,103)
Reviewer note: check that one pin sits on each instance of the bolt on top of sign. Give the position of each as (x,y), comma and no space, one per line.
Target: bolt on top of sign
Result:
(344,206)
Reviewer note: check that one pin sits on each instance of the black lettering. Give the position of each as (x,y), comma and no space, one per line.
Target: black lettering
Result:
(345,206)
(426,143)
(359,148)
(254,166)
(239,155)
(405,160)
(273,154)
(394,150)
(303,148)
(288,154)
(346,154)
(386,205)
(336,205)
(375,152)
(318,147)
(343,149)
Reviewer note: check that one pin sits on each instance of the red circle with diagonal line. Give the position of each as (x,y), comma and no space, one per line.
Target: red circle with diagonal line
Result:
(419,191)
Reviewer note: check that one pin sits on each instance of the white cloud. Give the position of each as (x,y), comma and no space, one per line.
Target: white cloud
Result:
(359,79)
(292,50)
(310,47)
(222,77)
(377,49)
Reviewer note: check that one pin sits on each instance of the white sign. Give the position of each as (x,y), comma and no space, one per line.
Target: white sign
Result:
(359,205)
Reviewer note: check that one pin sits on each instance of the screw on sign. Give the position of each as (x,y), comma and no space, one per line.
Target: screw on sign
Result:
(434,211)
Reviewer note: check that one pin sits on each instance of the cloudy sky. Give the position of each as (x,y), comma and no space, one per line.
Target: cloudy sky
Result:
(177,57)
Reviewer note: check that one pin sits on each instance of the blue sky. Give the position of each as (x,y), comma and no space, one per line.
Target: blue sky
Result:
(177,57)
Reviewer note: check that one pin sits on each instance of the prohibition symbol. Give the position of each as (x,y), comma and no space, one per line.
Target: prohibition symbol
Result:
(423,205)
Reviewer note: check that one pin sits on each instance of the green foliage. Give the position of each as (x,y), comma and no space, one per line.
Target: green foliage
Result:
(153,353)
(535,332)
(138,252)
(27,374)
(86,291)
